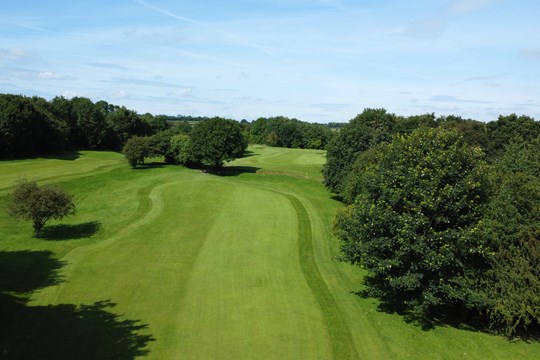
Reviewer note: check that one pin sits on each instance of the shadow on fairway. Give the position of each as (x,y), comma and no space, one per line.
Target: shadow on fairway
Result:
(70,231)
(450,316)
(151,165)
(234,170)
(68,155)
(249,153)
(64,331)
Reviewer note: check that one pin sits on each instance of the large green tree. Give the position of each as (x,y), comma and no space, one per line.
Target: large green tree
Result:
(512,221)
(412,223)
(215,141)
(368,129)
(28,201)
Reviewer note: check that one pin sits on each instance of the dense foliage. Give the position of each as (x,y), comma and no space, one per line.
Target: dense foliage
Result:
(32,126)
(290,133)
(512,222)
(28,201)
(411,227)
(214,141)
(368,129)
(136,149)
(444,214)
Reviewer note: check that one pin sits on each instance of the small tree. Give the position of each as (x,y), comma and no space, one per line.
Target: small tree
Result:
(135,150)
(28,201)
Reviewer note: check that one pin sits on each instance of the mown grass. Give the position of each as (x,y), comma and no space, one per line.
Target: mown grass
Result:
(175,263)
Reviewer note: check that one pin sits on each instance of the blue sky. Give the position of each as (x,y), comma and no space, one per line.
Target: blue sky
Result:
(318,60)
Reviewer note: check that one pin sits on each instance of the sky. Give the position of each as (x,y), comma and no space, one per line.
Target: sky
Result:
(314,60)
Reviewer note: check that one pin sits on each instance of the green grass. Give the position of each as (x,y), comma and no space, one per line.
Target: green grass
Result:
(173,263)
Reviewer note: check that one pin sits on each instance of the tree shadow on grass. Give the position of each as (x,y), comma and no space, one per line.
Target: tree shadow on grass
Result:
(70,232)
(233,170)
(64,331)
(150,165)
(249,153)
(67,155)
(446,316)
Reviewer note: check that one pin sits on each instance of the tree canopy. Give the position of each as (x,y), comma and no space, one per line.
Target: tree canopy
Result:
(411,227)
(28,201)
(214,141)
(281,131)
(369,128)
(446,219)
(136,149)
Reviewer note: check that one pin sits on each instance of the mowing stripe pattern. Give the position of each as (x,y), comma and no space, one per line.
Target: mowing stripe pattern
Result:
(340,335)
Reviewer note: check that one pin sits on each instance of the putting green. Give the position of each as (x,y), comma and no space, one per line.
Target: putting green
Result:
(238,266)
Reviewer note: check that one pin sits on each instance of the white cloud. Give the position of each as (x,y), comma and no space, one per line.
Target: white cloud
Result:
(429,28)
(68,94)
(530,52)
(461,7)
(49,75)
(120,94)
(449,98)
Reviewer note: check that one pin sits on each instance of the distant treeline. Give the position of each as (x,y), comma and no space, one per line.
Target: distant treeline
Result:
(32,126)
(291,133)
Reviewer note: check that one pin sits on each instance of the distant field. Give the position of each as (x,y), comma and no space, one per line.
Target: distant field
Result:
(240,265)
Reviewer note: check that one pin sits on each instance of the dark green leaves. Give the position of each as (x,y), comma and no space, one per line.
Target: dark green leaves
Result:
(28,201)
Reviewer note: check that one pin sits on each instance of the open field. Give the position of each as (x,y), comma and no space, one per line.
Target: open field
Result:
(173,263)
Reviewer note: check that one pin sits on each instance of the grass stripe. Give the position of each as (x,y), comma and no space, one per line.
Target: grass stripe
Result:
(340,335)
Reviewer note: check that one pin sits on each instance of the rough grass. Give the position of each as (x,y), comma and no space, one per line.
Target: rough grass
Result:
(172,263)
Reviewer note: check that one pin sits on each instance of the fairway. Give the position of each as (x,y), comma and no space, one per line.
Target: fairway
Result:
(175,263)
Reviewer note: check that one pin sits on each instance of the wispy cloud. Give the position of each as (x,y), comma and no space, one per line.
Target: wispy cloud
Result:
(453,99)
(229,35)
(14,53)
(331,106)
(168,13)
(49,75)
(530,53)
(429,28)
(206,57)
(107,66)
(485,77)
(141,82)
(435,26)
(462,7)
(26,26)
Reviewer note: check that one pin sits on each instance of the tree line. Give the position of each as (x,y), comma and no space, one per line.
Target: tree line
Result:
(281,131)
(32,126)
(444,215)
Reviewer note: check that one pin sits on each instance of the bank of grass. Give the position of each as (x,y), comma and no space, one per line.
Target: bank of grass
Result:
(240,265)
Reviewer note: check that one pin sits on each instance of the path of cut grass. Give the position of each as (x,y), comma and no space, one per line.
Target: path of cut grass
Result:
(227,267)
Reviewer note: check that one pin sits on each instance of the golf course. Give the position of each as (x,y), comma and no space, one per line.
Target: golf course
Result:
(166,262)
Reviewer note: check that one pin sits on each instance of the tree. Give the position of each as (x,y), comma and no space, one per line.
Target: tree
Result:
(368,129)
(512,221)
(28,201)
(25,127)
(507,129)
(215,141)
(127,123)
(179,146)
(135,150)
(412,225)
(92,129)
